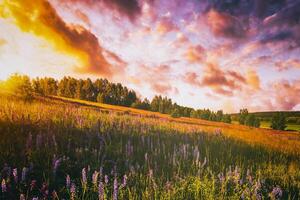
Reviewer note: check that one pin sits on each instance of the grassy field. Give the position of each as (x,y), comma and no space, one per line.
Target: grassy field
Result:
(67,149)
(290,127)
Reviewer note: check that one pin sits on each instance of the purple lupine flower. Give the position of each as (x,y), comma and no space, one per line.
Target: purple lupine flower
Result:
(106,179)
(84,178)
(95,178)
(3,186)
(15,174)
(115,193)
(24,173)
(22,197)
(124,182)
(276,192)
(32,185)
(56,165)
(73,191)
(44,190)
(221,177)
(101,191)
(68,181)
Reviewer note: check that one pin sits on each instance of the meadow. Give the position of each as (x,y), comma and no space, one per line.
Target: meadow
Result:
(54,149)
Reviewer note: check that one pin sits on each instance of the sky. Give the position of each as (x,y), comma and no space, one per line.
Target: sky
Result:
(216,54)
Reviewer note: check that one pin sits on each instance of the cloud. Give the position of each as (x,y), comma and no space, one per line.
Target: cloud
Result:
(2,42)
(253,79)
(127,8)
(165,25)
(161,88)
(40,18)
(225,25)
(195,54)
(222,82)
(287,64)
(157,77)
(277,37)
(287,94)
(83,17)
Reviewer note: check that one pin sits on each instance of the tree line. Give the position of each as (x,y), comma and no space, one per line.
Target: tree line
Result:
(103,91)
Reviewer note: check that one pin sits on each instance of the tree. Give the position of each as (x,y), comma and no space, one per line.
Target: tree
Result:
(20,85)
(226,119)
(175,113)
(278,121)
(243,115)
(252,120)
(219,115)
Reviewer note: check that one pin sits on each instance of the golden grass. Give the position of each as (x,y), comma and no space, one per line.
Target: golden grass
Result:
(286,141)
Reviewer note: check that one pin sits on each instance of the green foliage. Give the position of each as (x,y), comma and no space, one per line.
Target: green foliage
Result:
(175,113)
(20,86)
(278,121)
(252,120)
(226,119)
(243,115)
(144,105)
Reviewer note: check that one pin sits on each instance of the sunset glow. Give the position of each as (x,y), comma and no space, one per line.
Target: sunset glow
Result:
(204,54)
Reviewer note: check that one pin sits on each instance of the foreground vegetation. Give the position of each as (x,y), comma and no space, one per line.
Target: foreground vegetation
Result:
(60,150)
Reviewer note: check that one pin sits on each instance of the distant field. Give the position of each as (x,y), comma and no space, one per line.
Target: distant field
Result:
(267,124)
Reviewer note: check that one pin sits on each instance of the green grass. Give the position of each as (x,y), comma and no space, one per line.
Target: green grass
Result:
(267,124)
(292,127)
(161,159)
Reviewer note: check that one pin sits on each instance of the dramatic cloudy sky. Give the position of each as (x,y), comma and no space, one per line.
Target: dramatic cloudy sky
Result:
(218,54)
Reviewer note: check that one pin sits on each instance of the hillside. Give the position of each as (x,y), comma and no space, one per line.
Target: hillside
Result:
(280,140)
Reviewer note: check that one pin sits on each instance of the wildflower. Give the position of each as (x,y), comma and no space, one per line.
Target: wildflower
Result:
(106,179)
(32,185)
(35,198)
(54,195)
(44,190)
(221,177)
(3,185)
(73,191)
(115,193)
(15,174)
(276,193)
(24,173)
(124,183)
(56,165)
(101,191)
(22,197)
(95,178)
(84,178)
(68,181)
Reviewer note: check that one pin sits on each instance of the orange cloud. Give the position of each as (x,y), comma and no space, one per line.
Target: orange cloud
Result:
(253,79)
(225,25)
(40,18)
(165,26)
(195,54)
(83,17)
(288,64)
(220,81)
(2,42)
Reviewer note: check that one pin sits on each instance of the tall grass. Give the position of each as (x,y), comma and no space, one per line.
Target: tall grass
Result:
(57,150)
